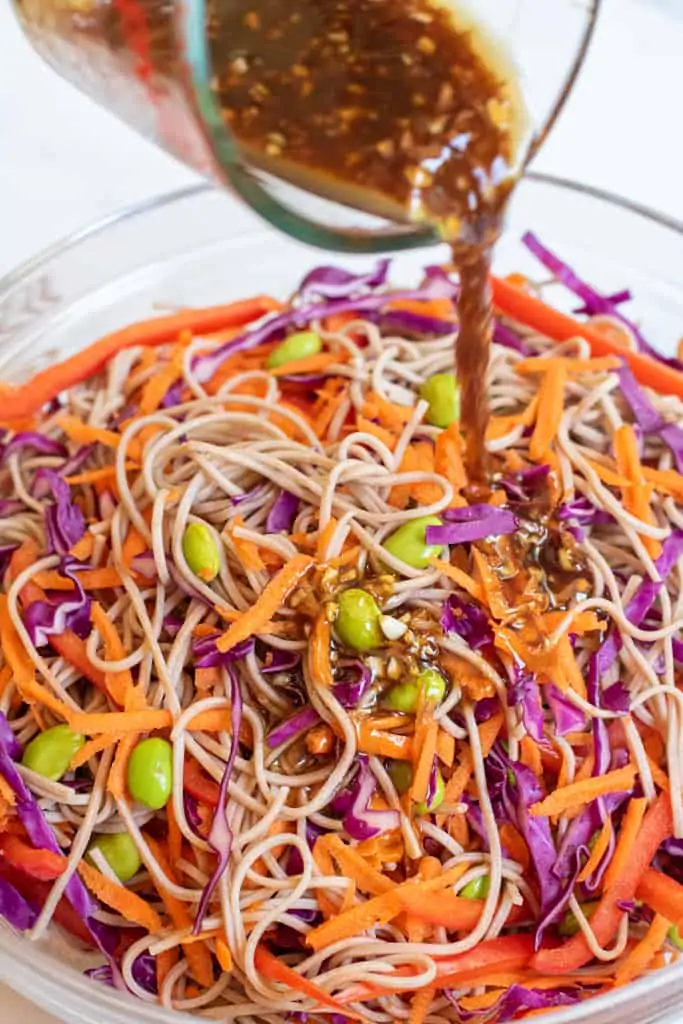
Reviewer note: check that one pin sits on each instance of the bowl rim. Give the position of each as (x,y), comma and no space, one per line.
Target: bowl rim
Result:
(131,211)
(71,983)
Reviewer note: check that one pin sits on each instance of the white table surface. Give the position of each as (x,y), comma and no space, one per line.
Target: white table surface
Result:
(64,162)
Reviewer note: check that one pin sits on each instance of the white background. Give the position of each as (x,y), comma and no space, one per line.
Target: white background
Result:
(63,162)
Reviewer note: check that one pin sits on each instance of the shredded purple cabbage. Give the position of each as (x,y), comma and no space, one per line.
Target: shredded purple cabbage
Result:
(303,720)
(60,611)
(647,417)
(468,620)
(522,486)
(220,834)
(33,441)
(568,718)
(359,821)
(207,655)
(525,692)
(64,521)
(350,691)
(14,908)
(475,522)
(337,283)
(283,513)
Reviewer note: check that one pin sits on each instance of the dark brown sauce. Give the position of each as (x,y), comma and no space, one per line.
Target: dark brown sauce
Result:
(394,107)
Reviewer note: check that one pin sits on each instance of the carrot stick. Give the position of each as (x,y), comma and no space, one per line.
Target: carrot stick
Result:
(515,844)
(28,398)
(198,955)
(122,722)
(455,913)
(426,751)
(91,748)
(378,910)
(379,743)
(324,539)
(541,364)
(657,826)
(268,603)
(16,655)
(420,1005)
(90,579)
(636,498)
(663,894)
(598,851)
(641,955)
(462,579)
(448,457)
(628,832)
(274,970)
(246,550)
(584,791)
(355,867)
(527,309)
(311,364)
(119,684)
(126,903)
(550,411)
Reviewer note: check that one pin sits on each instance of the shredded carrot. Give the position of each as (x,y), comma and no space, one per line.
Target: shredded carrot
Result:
(445,747)
(7,794)
(123,722)
(663,894)
(5,678)
(424,754)
(541,364)
(420,1005)
(448,457)
(640,956)
(273,969)
(119,684)
(462,579)
(378,743)
(246,550)
(668,481)
(83,433)
(91,748)
(598,852)
(467,676)
(311,364)
(16,655)
(390,415)
(28,398)
(164,379)
(637,496)
(90,579)
(324,539)
(515,844)
(440,309)
(320,740)
(223,954)
(582,792)
(175,836)
(126,903)
(268,603)
(198,956)
(550,411)
(630,826)
(319,652)
(530,755)
(381,433)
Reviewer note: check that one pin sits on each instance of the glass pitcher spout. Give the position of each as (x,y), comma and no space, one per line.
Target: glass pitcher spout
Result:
(151,62)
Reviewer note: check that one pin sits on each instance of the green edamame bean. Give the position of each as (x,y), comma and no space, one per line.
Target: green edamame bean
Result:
(432,685)
(357,622)
(50,753)
(401,774)
(406,696)
(569,926)
(403,697)
(409,542)
(296,346)
(150,772)
(443,395)
(439,793)
(674,935)
(120,853)
(201,551)
(477,889)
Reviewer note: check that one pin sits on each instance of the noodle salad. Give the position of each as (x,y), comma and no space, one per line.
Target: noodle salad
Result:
(300,723)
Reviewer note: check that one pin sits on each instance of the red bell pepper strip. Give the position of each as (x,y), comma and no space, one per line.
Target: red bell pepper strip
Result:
(199,785)
(45,865)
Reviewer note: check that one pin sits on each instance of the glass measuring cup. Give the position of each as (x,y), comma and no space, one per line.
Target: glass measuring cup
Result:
(149,61)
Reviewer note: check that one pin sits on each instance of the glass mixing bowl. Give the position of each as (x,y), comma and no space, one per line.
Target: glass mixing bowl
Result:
(197,247)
